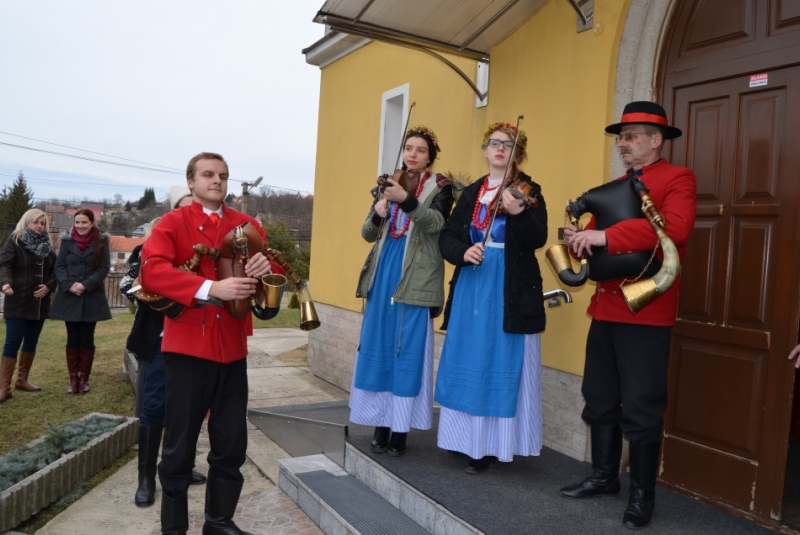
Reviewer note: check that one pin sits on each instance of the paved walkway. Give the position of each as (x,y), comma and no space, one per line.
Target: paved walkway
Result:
(263,508)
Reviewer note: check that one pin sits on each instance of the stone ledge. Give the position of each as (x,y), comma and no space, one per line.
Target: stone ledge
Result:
(29,496)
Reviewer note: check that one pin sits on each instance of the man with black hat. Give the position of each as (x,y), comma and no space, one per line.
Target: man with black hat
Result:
(625,376)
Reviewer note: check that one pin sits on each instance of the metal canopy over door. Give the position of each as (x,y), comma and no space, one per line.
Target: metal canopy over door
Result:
(727,422)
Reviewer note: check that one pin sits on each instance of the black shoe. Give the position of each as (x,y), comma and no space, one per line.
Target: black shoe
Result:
(222,495)
(476,466)
(380,439)
(197,478)
(606,451)
(397,445)
(642,500)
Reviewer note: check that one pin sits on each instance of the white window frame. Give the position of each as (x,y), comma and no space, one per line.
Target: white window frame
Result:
(394,110)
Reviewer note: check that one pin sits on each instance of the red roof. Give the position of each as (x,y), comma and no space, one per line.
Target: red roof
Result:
(121,243)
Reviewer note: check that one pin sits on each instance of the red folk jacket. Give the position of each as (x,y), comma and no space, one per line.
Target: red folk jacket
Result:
(208,332)
(673,191)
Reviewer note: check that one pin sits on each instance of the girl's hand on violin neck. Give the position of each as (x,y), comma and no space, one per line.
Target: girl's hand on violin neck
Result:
(382,207)
(394,192)
(233,288)
(257,266)
(512,205)
(474,254)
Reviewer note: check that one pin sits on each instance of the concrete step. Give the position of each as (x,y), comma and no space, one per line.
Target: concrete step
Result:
(364,499)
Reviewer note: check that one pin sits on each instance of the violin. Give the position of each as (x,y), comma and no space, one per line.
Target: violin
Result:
(408,180)
(521,190)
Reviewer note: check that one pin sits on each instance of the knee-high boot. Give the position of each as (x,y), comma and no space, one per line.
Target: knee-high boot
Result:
(644,468)
(149,443)
(25,363)
(174,514)
(87,358)
(73,366)
(6,372)
(222,495)
(606,451)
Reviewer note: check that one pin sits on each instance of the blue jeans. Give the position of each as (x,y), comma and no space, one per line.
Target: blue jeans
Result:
(21,332)
(154,399)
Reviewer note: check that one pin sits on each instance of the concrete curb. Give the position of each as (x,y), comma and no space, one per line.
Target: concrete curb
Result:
(29,496)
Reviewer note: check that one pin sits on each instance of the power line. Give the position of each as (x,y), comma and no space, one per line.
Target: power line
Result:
(76,183)
(92,159)
(89,151)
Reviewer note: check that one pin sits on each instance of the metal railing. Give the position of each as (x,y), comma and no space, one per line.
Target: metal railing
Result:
(114,296)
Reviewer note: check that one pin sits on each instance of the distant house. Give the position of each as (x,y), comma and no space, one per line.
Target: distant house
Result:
(139,231)
(121,248)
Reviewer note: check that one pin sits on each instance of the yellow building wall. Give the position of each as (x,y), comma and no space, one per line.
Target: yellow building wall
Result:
(560,80)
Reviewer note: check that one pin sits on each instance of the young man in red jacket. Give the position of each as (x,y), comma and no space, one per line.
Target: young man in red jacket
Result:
(204,349)
(625,376)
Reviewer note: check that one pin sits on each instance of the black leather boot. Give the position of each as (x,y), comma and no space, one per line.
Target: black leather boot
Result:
(222,495)
(149,443)
(642,501)
(476,466)
(380,439)
(606,451)
(197,478)
(397,444)
(174,515)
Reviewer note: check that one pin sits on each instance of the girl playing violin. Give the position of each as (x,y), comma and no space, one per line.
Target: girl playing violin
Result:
(404,289)
(489,383)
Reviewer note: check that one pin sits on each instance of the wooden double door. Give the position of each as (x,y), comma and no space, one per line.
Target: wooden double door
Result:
(730,79)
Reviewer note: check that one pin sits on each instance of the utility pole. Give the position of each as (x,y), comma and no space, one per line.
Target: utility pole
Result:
(245,191)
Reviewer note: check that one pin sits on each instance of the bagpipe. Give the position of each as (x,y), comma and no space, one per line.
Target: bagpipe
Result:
(644,276)
(238,245)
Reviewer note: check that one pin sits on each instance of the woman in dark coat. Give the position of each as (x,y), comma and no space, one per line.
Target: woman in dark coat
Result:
(26,279)
(82,265)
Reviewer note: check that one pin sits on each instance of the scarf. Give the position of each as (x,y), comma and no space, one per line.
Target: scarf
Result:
(81,241)
(38,244)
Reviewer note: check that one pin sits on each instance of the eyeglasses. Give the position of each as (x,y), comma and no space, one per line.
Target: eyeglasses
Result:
(630,136)
(495,144)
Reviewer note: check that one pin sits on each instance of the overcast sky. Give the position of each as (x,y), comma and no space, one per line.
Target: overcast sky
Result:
(157,82)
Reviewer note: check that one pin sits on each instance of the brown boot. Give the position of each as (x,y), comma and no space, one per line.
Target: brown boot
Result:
(73,365)
(6,371)
(25,362)
(87,358)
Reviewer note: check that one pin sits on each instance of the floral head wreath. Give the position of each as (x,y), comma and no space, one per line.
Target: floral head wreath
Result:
(427,132)
(522,141)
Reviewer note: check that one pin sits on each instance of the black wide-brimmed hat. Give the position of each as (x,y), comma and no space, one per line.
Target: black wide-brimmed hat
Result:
(645,112)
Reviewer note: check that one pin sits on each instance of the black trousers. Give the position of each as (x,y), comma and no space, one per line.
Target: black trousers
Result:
(195,386)
(625,378)
(80,334)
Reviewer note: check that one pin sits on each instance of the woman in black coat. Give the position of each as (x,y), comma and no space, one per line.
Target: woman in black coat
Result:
(81,267)
(26,280)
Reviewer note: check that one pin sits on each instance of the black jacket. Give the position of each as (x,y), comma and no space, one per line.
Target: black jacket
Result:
(25,271)
(147,324)
(72,266)
(525,232)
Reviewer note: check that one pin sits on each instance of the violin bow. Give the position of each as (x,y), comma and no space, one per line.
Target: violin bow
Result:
(399,155)
(488,230)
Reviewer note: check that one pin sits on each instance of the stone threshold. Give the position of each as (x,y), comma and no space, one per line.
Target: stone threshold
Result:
(431,516)
(26,498)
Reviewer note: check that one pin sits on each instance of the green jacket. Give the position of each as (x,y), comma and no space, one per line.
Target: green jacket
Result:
(422,279)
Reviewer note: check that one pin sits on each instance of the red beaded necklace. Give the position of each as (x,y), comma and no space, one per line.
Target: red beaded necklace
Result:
(396,208)
(476,222)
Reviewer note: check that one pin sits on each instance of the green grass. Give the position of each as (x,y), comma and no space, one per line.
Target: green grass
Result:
(25,416)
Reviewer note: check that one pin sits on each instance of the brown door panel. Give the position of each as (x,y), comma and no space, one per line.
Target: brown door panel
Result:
(718,389)
(725,478)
